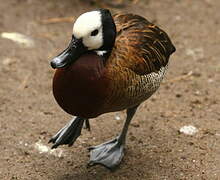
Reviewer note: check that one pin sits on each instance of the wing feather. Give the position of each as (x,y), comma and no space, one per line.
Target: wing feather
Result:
(140,45)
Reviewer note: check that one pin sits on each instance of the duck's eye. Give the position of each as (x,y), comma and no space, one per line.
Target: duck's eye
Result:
(95,32)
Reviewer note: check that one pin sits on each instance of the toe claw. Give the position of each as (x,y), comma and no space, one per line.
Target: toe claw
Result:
(90,164)
(54,146)
(91,148)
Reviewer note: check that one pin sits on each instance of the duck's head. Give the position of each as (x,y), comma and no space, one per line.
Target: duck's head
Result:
(92,31)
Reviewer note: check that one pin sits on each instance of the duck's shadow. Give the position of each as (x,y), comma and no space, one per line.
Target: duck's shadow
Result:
(132,166)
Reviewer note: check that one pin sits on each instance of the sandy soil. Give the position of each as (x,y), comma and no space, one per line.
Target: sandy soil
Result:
(156,149)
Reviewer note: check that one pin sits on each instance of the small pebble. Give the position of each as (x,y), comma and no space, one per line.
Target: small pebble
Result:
(188,130)
(178,18)
(178,95)
(197,93)
(210,80)
(8,61)
(117,118)
(135,124)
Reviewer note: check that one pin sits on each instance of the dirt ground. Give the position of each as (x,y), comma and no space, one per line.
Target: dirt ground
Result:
(156,149)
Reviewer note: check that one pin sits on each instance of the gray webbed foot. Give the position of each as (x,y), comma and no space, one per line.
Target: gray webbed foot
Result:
(68,134)
(108,154)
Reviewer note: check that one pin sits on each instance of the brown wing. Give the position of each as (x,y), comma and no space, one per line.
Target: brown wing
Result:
(140,45)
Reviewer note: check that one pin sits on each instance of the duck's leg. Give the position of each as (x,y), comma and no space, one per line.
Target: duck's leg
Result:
(110,154)
(87,125)
(69,133)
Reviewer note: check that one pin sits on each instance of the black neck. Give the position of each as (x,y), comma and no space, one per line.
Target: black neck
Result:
(109,31)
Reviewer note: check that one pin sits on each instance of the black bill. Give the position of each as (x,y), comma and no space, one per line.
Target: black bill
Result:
(70,54)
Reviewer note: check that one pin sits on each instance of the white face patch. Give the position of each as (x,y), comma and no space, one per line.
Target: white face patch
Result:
(85,25)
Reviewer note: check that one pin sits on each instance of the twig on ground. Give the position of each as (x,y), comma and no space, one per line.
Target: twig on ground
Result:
(56,20)
(50,36)
(135,1)
(179,78)
(23,84)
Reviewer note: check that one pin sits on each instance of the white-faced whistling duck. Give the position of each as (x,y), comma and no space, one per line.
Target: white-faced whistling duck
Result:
(112,63)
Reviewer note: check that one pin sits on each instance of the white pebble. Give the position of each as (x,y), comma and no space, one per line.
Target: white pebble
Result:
(210,80)
(117,118)
(197,93)
(178,18)
(46,149)
(7,61)
(18,38)
(188,130)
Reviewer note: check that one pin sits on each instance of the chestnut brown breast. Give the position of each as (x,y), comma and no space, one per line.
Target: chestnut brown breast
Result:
(80,89)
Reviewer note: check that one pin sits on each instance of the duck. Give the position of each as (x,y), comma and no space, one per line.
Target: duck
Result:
(112,63)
